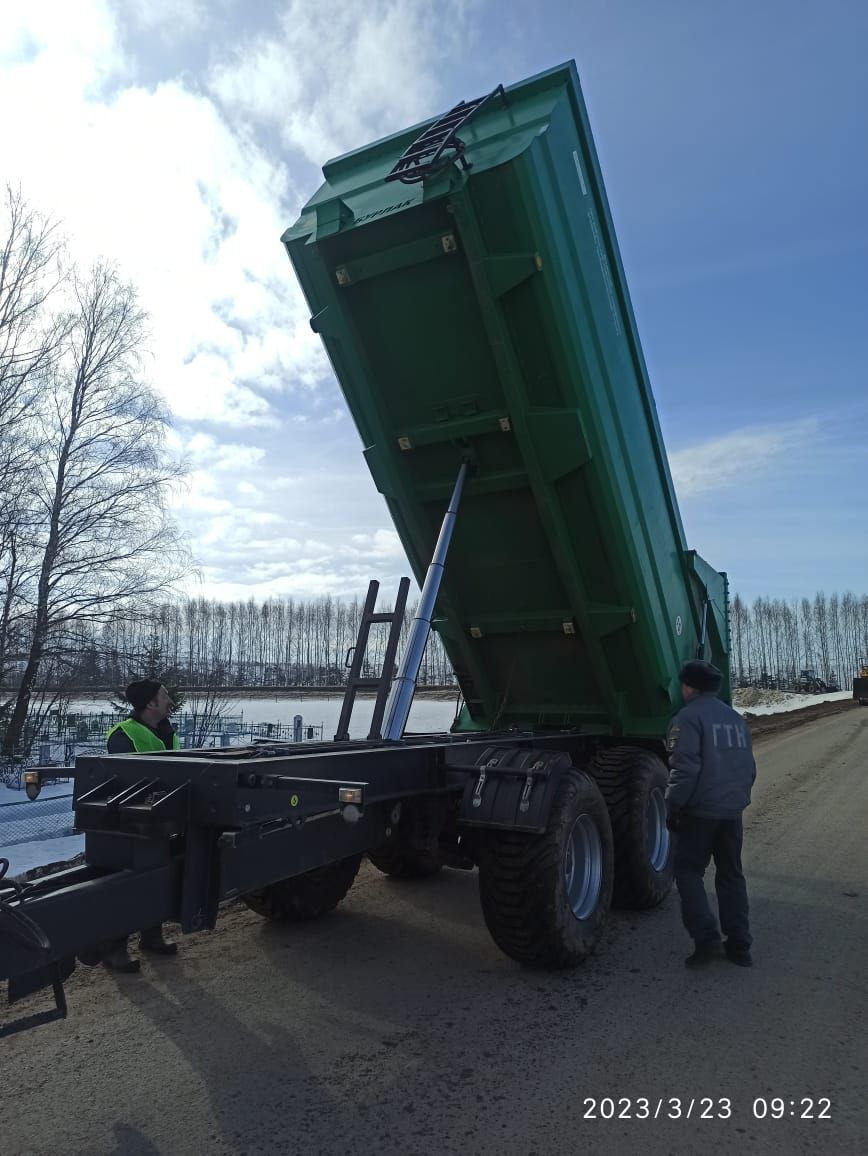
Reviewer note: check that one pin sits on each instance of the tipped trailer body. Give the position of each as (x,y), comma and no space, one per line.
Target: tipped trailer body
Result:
(480,313)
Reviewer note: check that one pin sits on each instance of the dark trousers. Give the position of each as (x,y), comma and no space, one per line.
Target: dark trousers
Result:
(697,841)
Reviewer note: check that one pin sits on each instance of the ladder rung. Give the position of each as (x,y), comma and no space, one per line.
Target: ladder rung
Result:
(423,154)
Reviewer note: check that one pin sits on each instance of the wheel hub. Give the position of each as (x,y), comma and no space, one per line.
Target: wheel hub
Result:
(657,833)
(583,867)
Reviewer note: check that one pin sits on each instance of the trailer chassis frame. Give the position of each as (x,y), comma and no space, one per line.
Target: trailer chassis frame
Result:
(171,836)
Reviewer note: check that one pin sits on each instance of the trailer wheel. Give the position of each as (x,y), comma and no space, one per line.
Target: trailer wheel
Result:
(633,782)
(545,898)
(412,849)
(306,896)
(405,862)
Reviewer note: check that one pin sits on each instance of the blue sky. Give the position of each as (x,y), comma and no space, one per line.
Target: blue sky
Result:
(181,137)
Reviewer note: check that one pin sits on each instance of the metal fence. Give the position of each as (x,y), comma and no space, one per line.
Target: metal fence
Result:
(80,727)
(24,822)
(51,817)
(62,741)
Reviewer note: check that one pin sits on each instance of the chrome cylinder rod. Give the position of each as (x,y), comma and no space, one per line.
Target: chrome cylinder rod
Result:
(404,686)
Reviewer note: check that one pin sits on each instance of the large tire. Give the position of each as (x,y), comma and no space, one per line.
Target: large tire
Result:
(305,896)
(402,862)
(412,851)
(633,782)
(545,898)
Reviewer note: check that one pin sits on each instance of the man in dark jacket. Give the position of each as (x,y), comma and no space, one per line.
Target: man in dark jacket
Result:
(147,729)
(711,772)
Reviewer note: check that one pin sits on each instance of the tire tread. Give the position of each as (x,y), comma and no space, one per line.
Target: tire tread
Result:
(517,885)
(308,896)
(622,774)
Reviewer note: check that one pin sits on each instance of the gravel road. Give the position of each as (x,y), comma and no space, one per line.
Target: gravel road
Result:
(396,1027)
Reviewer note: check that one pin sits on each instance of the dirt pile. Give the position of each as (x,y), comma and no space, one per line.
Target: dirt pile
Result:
(743,698)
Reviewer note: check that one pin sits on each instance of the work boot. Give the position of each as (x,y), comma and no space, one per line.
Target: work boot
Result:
(116,957)
(704,951)
(152,941)
(738,954)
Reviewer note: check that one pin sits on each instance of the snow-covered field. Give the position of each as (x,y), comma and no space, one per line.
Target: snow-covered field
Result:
(25,856)
(426,714)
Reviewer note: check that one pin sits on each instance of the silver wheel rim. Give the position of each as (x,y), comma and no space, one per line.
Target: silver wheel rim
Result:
(657,833)
(583,867)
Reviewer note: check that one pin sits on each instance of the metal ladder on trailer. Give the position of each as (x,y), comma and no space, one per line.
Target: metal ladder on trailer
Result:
(428,152)
(382,685)
(400,692)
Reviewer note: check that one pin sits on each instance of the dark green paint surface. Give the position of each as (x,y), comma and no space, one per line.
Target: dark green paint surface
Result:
(484,316)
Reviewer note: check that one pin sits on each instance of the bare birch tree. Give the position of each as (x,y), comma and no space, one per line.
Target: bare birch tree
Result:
(101,475)
(30,272)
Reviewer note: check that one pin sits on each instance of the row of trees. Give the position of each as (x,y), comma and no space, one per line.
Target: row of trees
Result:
(205,643)
(775,639)
(293,642)
(84,473)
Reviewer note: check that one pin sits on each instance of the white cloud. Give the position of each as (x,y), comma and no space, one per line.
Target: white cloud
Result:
(204,451)
(257,530)
(339,75)
(212,496)
(380,544)
(75,45)
(178,180)
(250,491)
(242,556)
(172,19)
(740,457)
(191,209)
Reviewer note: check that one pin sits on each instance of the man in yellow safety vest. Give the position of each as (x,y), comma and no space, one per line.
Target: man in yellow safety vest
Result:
(147,729)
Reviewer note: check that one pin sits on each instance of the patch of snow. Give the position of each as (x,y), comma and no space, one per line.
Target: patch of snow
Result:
(776,702)
(26,856)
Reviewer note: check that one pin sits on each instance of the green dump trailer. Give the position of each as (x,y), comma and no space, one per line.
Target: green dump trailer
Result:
(465,279)
(474,308)
(466,282)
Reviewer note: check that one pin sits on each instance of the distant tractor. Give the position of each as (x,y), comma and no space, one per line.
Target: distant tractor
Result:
(809,682)
(860,685)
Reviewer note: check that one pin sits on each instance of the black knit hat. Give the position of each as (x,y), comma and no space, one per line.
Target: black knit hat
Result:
(140,693)
(702,676)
